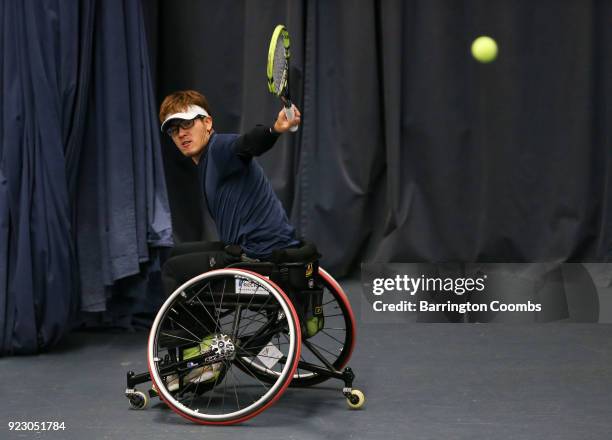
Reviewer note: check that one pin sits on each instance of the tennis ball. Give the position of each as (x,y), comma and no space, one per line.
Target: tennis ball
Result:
(484,49)
(313,325)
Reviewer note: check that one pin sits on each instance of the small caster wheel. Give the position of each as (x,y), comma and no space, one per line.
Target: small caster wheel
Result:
(138,400)
(356,399)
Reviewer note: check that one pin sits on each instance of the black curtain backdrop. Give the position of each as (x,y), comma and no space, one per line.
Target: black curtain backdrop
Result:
(410,150)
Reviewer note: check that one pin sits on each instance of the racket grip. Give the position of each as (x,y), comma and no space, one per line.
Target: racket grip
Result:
(290,115)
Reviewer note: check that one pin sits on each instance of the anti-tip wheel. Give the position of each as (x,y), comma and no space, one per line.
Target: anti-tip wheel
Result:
(139,400)
(356,399)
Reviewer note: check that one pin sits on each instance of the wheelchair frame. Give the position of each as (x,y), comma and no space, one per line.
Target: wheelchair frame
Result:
(264,340)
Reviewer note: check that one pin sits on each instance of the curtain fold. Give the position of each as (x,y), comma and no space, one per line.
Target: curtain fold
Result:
(82,195)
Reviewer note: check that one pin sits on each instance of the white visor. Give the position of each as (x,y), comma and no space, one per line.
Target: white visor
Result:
(191,112)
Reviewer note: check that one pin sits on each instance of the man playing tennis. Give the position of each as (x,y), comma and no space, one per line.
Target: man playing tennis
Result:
(236,191)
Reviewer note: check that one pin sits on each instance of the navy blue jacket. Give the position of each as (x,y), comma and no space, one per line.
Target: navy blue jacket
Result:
(239,196)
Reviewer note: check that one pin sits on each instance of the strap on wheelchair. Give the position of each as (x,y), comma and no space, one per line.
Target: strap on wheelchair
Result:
(307,252)
(236,251)
(304,253)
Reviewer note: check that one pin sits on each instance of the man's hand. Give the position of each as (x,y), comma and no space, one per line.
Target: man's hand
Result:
(282,125)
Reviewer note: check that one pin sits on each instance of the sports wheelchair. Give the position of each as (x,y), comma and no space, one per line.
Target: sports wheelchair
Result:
(227,343)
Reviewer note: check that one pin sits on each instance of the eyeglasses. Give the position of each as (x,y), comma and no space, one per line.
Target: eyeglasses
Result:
(185,124)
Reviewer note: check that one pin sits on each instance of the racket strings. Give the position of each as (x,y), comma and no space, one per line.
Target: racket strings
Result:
(280,67)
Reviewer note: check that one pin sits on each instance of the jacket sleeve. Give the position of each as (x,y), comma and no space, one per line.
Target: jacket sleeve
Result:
(255,143)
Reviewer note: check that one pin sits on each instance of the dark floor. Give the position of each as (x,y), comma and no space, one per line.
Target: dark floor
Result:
(422,381)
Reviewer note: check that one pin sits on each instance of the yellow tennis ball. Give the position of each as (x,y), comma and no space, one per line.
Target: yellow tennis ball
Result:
(484,49)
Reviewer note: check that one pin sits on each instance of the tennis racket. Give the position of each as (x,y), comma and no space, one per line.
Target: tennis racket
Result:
(278,69)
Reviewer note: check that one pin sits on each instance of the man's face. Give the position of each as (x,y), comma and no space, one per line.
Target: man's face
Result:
(191,141)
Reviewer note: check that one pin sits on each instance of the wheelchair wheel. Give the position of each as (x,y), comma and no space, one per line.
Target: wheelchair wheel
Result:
(212,324)
(335,341)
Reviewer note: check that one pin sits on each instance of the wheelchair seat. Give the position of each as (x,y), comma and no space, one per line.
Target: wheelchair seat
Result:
(292,268)
(295,270)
